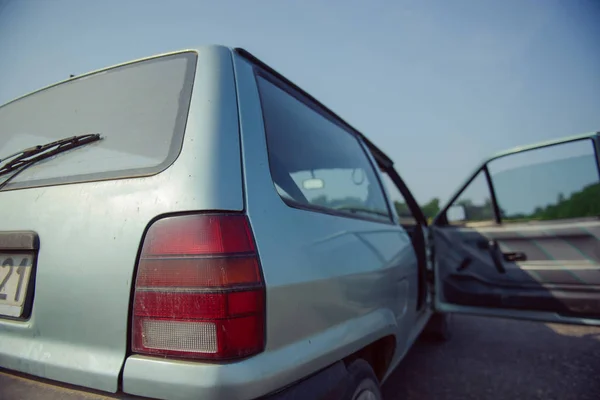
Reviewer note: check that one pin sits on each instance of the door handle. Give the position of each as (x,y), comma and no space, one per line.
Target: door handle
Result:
(515,256)
(494,249)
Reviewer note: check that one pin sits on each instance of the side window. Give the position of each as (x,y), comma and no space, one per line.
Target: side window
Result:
(474,205)
(316,163)
(401,207)
(549,183)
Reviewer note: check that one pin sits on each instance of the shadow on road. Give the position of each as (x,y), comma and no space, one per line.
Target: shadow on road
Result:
(501,359)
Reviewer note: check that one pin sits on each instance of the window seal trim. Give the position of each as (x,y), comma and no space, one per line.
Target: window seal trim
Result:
(496,207)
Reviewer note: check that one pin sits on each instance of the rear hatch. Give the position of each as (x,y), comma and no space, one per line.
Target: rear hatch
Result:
(71,225)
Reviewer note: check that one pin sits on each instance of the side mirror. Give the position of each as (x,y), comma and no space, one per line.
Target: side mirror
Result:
(313,184)
(456,213)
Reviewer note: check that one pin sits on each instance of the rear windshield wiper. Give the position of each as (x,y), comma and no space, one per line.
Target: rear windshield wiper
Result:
(25,158)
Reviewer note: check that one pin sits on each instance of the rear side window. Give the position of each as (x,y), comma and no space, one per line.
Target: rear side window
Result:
(140,109)
(314,162)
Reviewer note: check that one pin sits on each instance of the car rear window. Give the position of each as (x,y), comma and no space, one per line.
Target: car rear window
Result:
(140,109)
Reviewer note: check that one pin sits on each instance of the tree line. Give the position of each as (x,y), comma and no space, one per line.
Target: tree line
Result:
(584,203)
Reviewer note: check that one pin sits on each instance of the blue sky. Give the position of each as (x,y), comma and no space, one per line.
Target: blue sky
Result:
(438,85)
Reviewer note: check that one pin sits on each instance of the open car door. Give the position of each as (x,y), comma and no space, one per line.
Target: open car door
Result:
(521,238)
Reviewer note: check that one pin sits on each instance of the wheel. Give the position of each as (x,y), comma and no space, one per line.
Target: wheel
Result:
(439,327)
(363,383)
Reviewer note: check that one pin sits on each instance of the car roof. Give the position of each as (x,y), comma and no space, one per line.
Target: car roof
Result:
(382,159)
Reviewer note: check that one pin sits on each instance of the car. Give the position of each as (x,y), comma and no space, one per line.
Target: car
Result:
(193,225)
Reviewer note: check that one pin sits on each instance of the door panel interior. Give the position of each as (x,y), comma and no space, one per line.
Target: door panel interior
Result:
(546,266)
(523,235)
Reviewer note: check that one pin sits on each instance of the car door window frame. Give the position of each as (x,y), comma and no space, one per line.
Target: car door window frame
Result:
(412,204)
(442,220)
(418,239)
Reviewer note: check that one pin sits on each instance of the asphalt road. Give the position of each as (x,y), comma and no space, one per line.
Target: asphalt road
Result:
(501,359)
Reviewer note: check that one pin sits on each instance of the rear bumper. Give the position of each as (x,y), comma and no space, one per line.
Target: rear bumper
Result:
(14,386)
(328,384)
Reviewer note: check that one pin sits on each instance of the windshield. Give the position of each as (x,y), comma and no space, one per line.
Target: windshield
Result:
(140,109)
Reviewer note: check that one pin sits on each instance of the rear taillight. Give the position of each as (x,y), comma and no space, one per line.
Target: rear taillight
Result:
(199,291)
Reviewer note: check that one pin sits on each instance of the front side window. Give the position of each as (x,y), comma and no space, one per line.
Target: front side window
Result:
(315,162)
(548,183)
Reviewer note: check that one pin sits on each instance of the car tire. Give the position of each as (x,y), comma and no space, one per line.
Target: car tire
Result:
(362,382)
(439,327)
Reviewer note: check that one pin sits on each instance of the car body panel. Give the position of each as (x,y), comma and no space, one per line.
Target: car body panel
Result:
(334,285)
(328,256)
(350,281)
(78,330)
(256,376)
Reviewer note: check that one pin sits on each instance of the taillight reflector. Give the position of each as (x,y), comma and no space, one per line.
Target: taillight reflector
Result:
(199,292)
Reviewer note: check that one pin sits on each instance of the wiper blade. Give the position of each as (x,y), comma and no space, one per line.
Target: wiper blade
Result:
(25,158)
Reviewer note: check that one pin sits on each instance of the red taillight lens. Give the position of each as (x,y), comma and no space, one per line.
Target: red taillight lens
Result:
(199,292)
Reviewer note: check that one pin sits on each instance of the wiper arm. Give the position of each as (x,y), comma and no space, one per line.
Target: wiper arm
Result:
(25,158)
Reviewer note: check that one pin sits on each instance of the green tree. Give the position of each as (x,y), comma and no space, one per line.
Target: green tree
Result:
(585,203)
(402,209)
(478,212)
(432,208)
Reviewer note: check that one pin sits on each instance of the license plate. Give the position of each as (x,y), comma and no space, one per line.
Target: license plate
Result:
(15,270)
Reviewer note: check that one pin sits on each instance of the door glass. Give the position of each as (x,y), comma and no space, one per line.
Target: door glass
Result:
(474,203)
(548,183)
